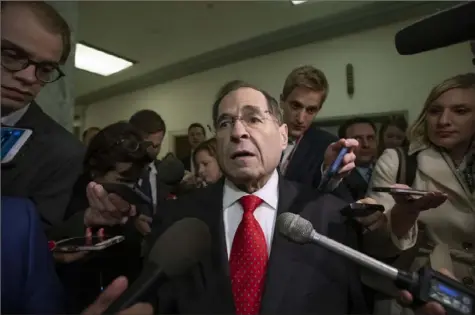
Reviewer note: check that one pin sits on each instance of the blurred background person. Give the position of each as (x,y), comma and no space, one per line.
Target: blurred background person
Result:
(392,134)
(207,170)
(196,135)
(88,134)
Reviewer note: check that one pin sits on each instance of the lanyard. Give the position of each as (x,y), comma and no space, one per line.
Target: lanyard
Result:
(289,157)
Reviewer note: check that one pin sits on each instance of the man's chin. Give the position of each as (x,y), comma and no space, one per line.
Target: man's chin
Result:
(9,105)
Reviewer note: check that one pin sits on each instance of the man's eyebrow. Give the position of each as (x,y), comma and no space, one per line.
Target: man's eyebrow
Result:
(9,45)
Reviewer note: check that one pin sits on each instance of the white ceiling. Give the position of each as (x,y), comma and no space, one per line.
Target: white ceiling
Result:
(160,33)
(163,36)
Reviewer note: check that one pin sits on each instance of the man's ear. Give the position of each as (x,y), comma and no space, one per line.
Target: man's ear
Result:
(284,135)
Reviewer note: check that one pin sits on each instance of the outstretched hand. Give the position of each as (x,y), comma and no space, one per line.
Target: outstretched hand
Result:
(110,294)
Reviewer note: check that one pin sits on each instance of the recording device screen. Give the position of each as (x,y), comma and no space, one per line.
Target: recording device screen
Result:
(449,297)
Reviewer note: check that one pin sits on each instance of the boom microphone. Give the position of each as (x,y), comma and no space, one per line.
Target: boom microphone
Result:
(179,248)
(448,27)
(170,171)
(426,285)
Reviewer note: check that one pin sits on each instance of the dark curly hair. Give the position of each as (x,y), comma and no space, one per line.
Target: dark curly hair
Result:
(116,143)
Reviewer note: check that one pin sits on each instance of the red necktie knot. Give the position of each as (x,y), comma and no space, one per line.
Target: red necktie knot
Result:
(250,203)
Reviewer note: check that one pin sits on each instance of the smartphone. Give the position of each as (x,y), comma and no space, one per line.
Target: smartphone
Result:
(133,195)
(13,140)
(80,244)
(357,210)
(400,191)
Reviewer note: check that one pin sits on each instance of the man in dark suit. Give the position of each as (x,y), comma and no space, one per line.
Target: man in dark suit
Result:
(47,166)
(29,281)
(364,131)
(196,135)
(310,150)
(152,127)
(241,211)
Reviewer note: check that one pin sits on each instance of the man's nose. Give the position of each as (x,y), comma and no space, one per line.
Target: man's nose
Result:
(27,75)
(301,116)
(238,131)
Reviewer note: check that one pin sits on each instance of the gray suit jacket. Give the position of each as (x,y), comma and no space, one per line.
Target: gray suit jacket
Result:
(46,168)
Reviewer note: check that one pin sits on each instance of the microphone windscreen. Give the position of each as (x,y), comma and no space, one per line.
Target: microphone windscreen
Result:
(445,28)
(181,246)
(170,171)
(294,227)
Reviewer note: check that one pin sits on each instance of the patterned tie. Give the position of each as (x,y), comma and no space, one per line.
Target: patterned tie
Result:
(248,260)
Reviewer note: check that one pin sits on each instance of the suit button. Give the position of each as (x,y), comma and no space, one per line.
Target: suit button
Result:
(467,281)
(467,246)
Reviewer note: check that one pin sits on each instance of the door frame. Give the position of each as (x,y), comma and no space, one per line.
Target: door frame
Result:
(173,135)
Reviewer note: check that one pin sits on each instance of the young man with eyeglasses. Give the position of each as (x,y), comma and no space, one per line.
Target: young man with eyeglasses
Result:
(36,42)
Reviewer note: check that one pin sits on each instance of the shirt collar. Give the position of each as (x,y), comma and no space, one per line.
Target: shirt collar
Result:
(153,168)
(14,117)
(269,193)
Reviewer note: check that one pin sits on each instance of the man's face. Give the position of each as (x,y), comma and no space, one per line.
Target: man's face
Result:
(249,139)
(196,135)
(24,36)
(300,108)
(368,146)
(155,143)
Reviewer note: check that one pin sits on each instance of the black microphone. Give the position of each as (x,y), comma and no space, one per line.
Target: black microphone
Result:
(176,251)
(425,285)
(448,27)
(170,171)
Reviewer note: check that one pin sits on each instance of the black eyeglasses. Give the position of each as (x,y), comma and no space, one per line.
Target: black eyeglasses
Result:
(15,61)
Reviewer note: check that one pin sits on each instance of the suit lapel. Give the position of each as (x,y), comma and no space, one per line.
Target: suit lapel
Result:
(220,298)
(280,265)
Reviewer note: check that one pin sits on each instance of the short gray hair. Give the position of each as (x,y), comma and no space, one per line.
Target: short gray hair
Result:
(272,104)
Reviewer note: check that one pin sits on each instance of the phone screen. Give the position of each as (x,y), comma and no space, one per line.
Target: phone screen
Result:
(10,136)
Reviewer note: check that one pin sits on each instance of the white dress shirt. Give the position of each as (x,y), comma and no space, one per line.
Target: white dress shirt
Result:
(265,214)
(12,118)
(153,182)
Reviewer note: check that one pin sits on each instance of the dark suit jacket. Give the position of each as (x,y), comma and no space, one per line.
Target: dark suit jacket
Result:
(46,167)
(29,281)
(356,185)
(187,162)
(305,165)
(301,279)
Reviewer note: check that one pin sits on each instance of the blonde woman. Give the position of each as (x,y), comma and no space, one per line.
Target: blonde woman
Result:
(443,140)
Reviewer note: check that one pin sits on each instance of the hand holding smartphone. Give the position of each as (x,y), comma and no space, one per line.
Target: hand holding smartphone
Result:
(401,191)
(413,199)
(81,244)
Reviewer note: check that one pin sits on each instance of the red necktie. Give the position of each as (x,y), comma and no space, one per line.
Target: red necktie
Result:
(248,260)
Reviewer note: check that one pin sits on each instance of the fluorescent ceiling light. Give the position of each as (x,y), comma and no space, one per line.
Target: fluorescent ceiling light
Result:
(296,2)
(99,62)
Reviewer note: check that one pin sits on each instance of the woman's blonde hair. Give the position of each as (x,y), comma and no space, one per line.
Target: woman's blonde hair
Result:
(209,146)
(418,130)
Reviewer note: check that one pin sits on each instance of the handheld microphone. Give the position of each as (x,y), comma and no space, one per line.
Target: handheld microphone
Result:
(179,248)
(445,28)
(170,171)
(426,285)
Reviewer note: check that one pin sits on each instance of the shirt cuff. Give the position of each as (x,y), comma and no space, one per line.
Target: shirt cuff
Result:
(333,183)
(407,241)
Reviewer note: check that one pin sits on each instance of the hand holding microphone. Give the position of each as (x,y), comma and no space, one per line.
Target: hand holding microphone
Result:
(426,290)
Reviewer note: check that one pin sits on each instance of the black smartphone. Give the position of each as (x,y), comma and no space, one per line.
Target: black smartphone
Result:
(400,191)
(132,195)
(79,244)
(356,210)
